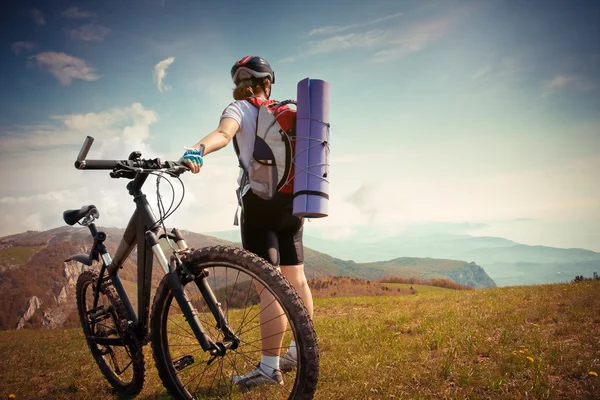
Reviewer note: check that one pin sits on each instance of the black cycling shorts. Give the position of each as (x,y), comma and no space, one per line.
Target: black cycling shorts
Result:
(270,230)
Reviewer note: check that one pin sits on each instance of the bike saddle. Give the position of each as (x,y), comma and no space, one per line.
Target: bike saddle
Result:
(71,217)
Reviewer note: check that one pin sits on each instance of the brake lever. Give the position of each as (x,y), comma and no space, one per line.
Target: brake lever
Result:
(176,171)
(123,173)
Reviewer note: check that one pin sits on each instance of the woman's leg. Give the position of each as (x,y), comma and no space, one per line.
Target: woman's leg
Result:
(295,274)
(273,323)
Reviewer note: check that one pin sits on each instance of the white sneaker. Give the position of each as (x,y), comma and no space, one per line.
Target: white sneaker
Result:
(258,377)
(288,362)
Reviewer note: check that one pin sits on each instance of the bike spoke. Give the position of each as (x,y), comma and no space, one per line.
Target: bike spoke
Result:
(266,337)
(256,347)
(250,310)
(201,373)
(242,309)
(261,324)
(117,360)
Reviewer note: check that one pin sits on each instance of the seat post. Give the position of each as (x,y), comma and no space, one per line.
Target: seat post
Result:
(93,230)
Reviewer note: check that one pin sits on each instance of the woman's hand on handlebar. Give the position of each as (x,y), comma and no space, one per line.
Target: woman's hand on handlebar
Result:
(192,159)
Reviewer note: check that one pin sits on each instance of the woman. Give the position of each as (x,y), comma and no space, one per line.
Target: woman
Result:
(268,227)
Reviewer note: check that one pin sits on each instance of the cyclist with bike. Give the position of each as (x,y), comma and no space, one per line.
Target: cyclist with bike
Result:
(268,227)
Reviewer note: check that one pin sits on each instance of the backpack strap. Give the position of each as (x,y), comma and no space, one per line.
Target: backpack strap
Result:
(239,193)
(256,102)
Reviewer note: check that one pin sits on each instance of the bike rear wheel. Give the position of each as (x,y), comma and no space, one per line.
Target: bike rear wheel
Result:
(118,355)
(238,279)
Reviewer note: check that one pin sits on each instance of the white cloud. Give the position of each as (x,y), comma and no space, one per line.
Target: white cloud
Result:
(388,44)
(343,42)
(91,32)
(327,30)
(38,16)
(34,195)
(46,183)
(65,67)
(567,81)
(160,72)
(128,126)
(483,73)
(17,47)
(565,192)
(502,70)
(416,38)
(76,13)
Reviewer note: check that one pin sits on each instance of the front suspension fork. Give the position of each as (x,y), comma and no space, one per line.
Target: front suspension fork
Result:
(173,271)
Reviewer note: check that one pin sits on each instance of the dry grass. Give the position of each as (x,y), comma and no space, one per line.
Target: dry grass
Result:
(510,343)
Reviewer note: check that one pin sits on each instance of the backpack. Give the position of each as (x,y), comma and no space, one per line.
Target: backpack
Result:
(271,165)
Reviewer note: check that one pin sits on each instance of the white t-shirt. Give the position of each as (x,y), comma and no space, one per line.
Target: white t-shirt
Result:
(245,114)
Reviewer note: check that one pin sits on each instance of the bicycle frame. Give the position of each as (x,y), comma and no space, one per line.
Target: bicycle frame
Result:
(137,234)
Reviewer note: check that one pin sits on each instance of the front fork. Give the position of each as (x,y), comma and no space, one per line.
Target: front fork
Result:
(174,271)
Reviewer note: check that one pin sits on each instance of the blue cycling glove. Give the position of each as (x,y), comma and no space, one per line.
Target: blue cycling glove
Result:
(193,155)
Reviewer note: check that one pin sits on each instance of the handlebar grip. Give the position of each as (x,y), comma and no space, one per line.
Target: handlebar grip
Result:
(100,164)
(87,144)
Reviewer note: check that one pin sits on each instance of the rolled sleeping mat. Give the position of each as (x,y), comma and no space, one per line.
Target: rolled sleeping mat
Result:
(311,156)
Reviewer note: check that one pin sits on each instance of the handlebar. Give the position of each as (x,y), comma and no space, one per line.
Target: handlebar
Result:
(127,168)
(87,144)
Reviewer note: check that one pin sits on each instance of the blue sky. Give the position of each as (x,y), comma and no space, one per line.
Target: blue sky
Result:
(447,114)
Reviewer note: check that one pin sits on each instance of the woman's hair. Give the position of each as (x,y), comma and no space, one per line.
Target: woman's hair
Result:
(251,87)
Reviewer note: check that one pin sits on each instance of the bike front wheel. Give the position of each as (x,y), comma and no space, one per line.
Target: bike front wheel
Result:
(262,309)
(118,355)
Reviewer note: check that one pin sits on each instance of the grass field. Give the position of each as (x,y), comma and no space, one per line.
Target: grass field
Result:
(537,342)
(421,289)
(18,254)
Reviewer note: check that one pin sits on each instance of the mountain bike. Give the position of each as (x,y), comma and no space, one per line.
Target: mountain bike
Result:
(205,323)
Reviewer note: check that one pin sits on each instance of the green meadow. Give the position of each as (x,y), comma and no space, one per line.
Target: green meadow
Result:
(536,342)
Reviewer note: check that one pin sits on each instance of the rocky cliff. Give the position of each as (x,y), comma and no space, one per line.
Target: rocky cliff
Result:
(32,306)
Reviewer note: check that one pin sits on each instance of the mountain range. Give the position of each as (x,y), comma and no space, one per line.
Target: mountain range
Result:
(37,286)
(507,262)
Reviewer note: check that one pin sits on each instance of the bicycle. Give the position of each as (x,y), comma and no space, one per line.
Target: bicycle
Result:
(211,331)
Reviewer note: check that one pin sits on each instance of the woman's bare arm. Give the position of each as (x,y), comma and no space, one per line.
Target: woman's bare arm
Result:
(216,140)
(220,137)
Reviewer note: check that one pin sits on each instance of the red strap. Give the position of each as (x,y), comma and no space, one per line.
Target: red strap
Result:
(257,101)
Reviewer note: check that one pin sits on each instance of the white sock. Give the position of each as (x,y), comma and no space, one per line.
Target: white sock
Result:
(292,351)
(268,364)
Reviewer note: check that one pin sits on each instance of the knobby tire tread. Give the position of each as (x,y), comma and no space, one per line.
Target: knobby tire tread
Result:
(139,370)
(290,300)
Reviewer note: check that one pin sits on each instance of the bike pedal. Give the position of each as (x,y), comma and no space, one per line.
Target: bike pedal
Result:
(183,362)
(99,314)
(105,351)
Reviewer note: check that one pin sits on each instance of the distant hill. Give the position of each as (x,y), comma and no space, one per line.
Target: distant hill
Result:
(508,263)
(37,286)
(469,274)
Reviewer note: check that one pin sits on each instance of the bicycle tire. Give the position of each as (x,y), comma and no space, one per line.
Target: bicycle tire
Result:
(132,349)
(305,382)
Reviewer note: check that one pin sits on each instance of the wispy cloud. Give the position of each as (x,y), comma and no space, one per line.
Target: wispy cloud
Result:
(563,81)
(500,71)
(342,42)
(415,38)
(129,124)
(483,73)
(76,13)
(160,72)
(46,183)
(89,33)
(17,47)
(65,67)
(327,30)
(38,16)
(388,44)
